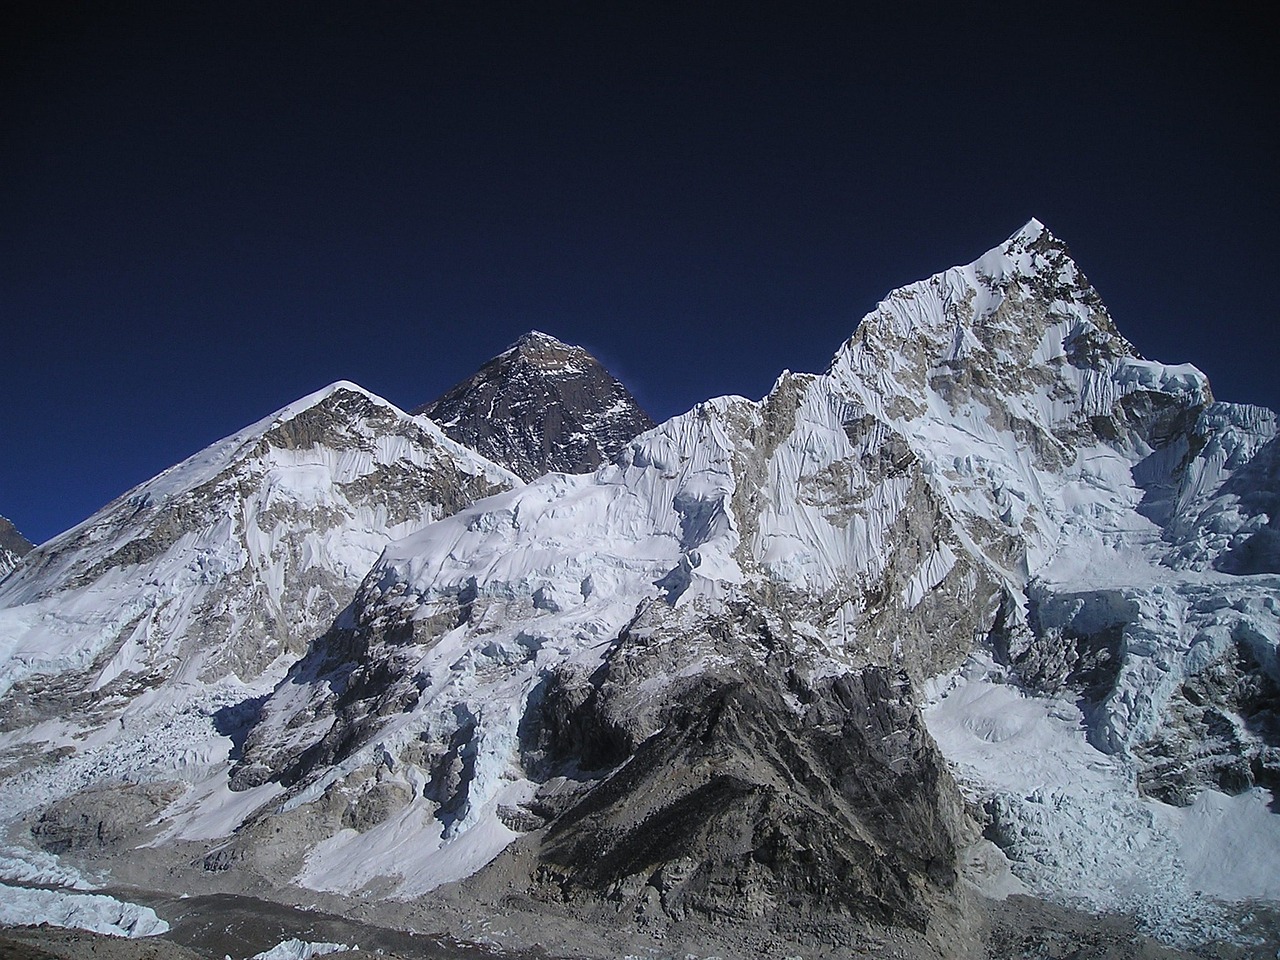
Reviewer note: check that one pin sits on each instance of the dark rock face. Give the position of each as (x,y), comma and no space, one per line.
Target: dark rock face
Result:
(100,821)
(752,793)
(742,806)
(13,546)
(757,791)
(541,406)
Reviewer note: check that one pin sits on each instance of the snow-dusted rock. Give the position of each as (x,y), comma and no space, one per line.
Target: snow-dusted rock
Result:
(13,546)
(541,405)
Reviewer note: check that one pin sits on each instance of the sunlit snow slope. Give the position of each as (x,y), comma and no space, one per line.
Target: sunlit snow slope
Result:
(989,494)
(126,642)
(987,466)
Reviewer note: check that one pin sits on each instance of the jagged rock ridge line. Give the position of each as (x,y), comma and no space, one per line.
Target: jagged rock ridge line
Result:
(541,405)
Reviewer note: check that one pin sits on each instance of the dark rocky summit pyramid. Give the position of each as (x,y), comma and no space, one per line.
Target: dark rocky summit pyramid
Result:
(13,546)
(541,406)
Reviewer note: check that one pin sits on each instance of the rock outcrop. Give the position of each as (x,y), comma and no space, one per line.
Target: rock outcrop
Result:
(13,546)
(541,405)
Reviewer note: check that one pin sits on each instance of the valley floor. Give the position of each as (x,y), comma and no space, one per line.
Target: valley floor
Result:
(220,926)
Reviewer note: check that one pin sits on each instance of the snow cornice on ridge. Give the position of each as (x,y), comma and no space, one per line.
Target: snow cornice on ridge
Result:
(1030,230)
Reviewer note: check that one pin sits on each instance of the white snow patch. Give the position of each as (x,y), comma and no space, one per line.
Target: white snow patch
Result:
(1231,845)
(20,906)
(294,949)
(1073,826)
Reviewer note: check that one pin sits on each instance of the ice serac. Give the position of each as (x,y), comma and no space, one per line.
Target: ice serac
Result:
(13,546)
(541,406)
(123,639)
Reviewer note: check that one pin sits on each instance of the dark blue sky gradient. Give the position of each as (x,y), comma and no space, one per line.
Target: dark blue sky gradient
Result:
(203,220)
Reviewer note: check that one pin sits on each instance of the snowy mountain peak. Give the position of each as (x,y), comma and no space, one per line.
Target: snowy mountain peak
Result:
(1030,230)
(1021,321)
(240,554)
(986,467)
(689,683)
(540,406)
(536,340)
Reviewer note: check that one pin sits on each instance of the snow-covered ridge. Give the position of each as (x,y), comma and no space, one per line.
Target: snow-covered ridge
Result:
(986,474)
(122,639)
(985,433)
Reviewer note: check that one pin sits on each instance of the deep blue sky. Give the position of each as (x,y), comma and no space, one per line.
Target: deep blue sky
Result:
(201,220)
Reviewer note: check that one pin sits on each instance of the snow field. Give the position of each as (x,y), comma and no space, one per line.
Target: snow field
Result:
(1073,826)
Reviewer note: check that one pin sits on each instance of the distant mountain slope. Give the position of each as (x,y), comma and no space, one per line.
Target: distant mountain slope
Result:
(541,406)
(13,546)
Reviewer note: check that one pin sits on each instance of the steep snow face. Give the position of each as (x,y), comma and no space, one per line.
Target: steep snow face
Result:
(541,406)
(127,643)
(1008,377)
(986,463)
(240,554)
(13,547)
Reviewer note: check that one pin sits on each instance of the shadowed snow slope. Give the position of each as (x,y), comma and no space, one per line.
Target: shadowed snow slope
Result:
(688,684)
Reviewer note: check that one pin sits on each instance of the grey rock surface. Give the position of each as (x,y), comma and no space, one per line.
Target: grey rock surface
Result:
(13,546)
(541,405)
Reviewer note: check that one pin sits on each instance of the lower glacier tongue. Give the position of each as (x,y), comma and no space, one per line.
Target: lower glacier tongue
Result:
(20,906)
(1072,825)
